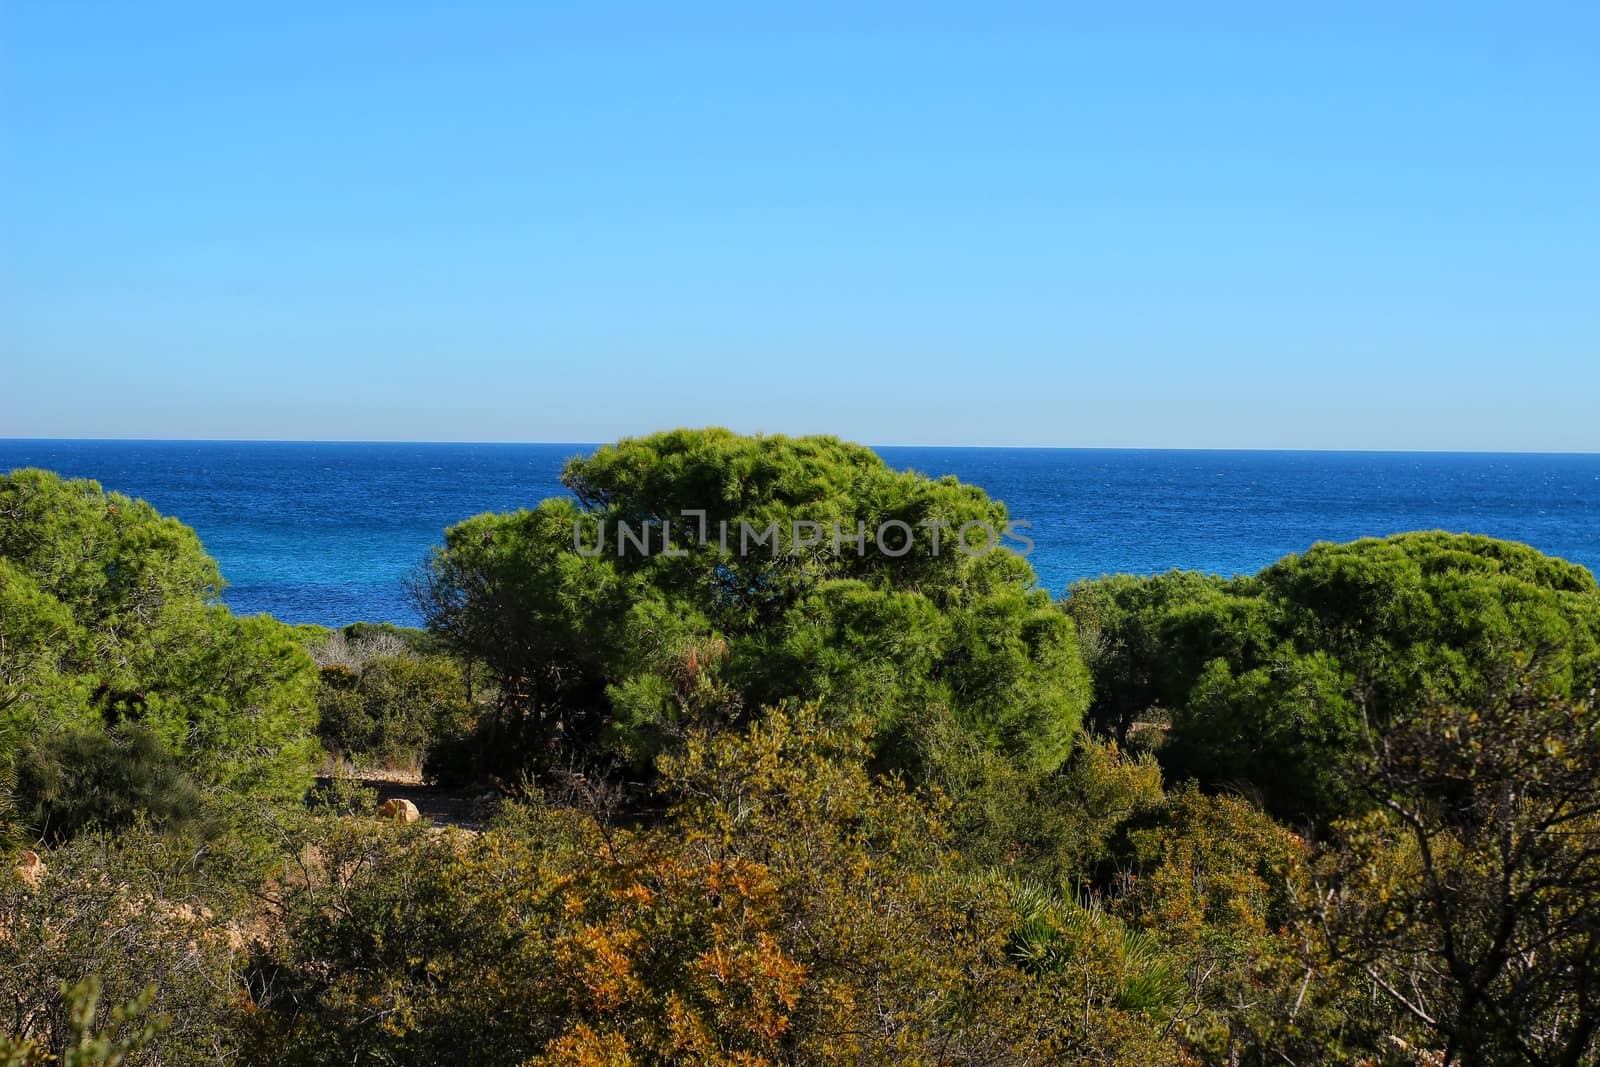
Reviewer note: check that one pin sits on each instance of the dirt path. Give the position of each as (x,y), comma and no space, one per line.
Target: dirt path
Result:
(468,810)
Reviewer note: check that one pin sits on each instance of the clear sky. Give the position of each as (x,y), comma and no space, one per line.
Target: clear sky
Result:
(1186,225)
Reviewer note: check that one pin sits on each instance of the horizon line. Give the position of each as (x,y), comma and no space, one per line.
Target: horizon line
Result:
(991,448)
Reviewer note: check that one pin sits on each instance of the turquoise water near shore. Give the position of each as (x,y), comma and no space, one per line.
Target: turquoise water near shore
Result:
(324,532)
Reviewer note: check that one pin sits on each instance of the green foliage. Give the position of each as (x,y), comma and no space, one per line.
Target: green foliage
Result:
(10,827)
(41,638)
(392,709)
(1211,863)
(786,905)
(626,649)
(1060,828)
(75,779)
(111,625)
(85,1045)
(791,909)
(1125,967)
(1470,898)
(1276,682)
(129,917)
(1119,620)
(938,868)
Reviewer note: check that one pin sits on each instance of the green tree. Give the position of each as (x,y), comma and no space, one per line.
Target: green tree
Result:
(594,642)
(73,779)
(1274,681)
(1060,829)
(111,627)
(1119,620)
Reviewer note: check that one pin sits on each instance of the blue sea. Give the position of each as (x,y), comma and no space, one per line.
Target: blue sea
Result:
(322,532)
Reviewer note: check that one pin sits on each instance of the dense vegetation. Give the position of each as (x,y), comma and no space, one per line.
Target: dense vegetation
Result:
(798,807)
(599,647)
(128,684)
(386,697)
(1276,681)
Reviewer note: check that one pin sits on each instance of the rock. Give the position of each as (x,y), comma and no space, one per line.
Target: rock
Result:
(399,809)
(31,868)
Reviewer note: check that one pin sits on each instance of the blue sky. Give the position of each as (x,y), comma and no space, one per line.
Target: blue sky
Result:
(1195,225)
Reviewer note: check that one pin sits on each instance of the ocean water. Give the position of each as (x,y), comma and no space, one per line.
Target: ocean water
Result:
(324,532)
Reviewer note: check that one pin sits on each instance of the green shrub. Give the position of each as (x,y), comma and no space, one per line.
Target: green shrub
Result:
(791,908)
(1058,829)
(126,914)
(76,779)
(392,710)
(86,1044)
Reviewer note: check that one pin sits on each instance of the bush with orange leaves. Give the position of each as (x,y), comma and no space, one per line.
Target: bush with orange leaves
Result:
(547,939)
(788,908)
